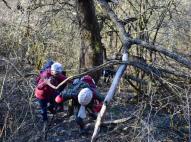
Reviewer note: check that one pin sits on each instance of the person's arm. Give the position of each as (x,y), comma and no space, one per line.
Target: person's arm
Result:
(64,96)
(47,81)
(41,84)
(43,80)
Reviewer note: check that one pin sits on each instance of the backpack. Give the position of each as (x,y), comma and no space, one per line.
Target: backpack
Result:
(45,67)
(77,87)
(96,103)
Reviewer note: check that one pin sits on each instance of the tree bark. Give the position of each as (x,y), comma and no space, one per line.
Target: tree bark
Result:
(91,47)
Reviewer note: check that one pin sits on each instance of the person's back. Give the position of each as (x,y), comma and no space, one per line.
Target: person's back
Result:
(72,94)
(85,82)
(83,94)
(73,90)
(42,90)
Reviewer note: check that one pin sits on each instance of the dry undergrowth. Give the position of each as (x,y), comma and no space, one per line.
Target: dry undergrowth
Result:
(155,115)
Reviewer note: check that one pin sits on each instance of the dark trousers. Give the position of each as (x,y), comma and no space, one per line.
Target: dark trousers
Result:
(43,105)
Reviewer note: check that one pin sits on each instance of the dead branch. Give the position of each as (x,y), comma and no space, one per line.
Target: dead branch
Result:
(5,2)
(127,41)
(124,36)
(108,98)
(163,72)
(118,121)
(113,122)
(153,72)
(166,72)
(133,78)
(109,63)
(164,51)
(16,69)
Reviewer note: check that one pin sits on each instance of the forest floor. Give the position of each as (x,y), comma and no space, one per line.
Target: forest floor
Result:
(142,123)
(137,121)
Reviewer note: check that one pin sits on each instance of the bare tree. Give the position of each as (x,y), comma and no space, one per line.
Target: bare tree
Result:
(91,46)
(127,41)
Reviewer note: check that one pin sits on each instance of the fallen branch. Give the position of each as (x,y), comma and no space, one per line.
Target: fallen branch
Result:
(118,121)
(5,2)
(127,41)
(84,73)
(111,122)
(107,100)
(175,73)
(153,72)
(124,36)
(130,77)
(164,51)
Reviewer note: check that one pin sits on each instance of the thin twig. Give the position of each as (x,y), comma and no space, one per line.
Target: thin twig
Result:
(5,2)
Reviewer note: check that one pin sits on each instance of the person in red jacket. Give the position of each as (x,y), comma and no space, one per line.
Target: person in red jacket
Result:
(44,93)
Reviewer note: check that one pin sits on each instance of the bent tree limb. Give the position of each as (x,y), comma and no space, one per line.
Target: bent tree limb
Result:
(84,73)
(164,51)
(153,72)
(124,36)
(108,98)
(5,2)
(127,41)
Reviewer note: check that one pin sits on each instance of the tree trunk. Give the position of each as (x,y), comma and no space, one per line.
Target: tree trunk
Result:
(91,47)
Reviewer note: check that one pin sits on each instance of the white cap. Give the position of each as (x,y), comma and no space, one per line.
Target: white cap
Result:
(57,67)
(84,98)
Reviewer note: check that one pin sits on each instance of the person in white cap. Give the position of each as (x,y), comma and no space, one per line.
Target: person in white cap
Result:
(44,93)
(83,97)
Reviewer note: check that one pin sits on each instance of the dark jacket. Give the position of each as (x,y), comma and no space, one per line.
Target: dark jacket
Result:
(73,91)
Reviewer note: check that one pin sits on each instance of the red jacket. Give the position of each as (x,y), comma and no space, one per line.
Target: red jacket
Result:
(43,91)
